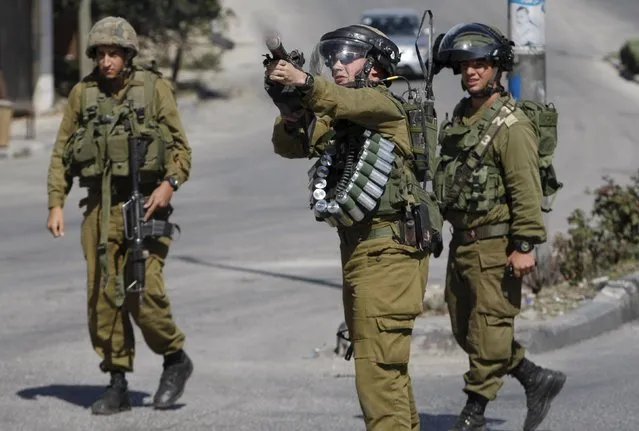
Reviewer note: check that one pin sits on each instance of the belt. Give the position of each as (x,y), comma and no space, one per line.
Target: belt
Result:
(467,236)
(348,235)
(381,232)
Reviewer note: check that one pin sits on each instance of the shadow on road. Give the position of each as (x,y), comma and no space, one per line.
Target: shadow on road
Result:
(445,422)
(310,280)
(80,395)
(430,422)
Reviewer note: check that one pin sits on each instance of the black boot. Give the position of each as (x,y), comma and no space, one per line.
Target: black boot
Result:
(115,398)
(177,370)
(542,386)
(472,416)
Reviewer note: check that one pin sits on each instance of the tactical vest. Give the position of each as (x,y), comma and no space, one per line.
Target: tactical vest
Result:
(467,181)
(485,187)
(105,125)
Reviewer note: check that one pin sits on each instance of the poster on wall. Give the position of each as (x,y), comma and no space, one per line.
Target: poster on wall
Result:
(527,22)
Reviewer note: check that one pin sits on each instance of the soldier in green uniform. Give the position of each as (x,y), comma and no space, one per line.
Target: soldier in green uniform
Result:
(116,101)
(488,184)
(362,183)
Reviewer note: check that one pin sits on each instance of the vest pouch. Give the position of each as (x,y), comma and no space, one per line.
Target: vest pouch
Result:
(484,191)
(85,160)
(117,151)
(154,159)
(155,156)
(457,142)
(429,200)
(429,222)
(445,176)
(431,141)
(392,200)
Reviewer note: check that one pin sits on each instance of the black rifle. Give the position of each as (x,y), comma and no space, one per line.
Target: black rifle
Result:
(286,97)
(136,230)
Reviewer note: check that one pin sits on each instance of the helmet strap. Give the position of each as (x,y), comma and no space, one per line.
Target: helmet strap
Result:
(361,79)
(493,86)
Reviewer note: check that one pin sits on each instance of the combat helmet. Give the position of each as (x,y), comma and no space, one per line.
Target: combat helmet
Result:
(365,42)
(475,41)
(112,31)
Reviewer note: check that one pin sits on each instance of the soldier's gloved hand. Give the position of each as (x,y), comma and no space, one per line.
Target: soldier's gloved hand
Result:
(522,263)
(294,117)
(55,222)
(285,73)
(160,198)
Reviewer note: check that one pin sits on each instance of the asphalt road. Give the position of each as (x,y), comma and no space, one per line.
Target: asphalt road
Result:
(254,281)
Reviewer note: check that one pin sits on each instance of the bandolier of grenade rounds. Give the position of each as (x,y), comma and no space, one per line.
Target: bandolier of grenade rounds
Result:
(366,170)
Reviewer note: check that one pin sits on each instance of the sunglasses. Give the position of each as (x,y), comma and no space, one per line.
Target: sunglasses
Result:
(343,57)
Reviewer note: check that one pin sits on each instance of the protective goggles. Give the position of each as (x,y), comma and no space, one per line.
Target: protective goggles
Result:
(344,51)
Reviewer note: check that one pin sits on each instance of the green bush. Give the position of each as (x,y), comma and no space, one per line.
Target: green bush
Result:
(597,243)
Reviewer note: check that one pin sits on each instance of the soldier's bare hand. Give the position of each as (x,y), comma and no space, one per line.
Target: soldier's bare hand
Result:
(55,222)
(522,263)
(160,198)
(285,73)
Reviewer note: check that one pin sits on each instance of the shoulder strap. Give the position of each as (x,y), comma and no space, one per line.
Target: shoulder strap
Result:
(150,79)
(89,100)
(496,116)
(142,93)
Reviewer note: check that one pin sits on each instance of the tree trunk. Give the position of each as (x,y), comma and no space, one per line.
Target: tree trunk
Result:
(177,61)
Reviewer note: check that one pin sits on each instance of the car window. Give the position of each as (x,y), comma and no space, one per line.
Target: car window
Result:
(396,25)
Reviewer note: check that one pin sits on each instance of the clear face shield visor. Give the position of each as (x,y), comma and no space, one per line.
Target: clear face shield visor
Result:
(328,52)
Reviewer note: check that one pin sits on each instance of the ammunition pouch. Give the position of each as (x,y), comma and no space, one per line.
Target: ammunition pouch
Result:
(354,179)
(422,228)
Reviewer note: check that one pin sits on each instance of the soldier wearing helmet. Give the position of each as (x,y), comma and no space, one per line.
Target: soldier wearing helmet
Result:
(115,102)
(363,184)
(489,189)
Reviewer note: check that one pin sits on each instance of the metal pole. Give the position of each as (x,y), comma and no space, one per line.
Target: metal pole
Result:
(44,89)
(84,26)
(527,27)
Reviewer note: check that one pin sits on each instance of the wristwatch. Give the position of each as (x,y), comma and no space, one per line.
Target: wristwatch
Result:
(308,83)
(173,182)
(523,246)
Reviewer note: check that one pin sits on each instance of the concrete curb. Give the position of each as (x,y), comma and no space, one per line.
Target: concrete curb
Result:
(616,303)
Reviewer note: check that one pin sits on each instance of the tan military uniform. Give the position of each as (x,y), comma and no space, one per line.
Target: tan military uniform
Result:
(482,299)
(109,325)
(383,280)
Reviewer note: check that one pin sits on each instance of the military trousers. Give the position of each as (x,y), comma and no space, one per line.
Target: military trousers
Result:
(110,326)
(383,291)
(483,301)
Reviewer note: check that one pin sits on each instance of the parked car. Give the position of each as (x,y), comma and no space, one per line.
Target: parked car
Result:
(401,26)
